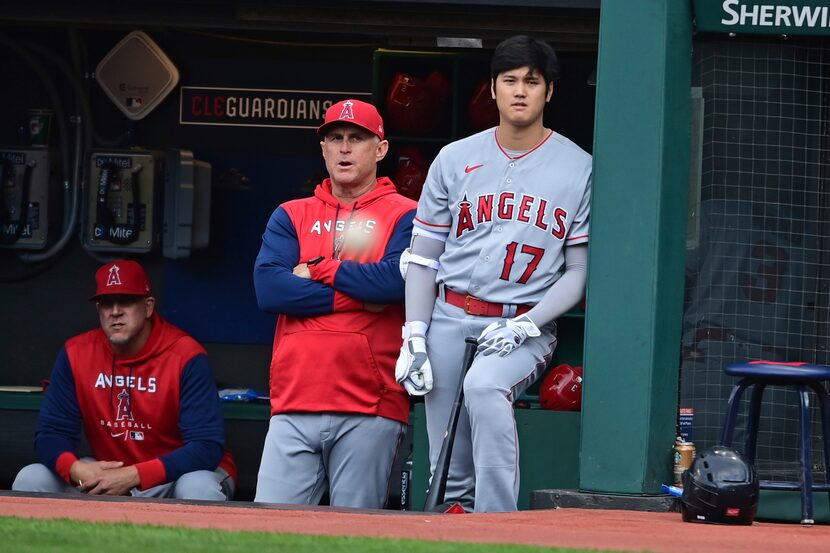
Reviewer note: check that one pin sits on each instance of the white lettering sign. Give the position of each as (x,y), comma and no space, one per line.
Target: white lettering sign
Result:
(747,14)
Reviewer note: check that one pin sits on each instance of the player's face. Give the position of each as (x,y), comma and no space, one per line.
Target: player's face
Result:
(521,95)
(352,155)
(126,321)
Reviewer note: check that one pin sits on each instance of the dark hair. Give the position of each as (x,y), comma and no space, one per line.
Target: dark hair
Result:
(521,50)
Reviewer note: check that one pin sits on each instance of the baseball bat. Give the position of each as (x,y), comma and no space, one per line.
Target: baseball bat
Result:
(435,493)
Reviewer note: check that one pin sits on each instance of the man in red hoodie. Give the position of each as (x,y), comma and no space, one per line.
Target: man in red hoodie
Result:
(145,395)
(328,267)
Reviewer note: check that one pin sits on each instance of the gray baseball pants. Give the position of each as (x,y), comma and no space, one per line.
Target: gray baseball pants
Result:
(484,467)
(349,455)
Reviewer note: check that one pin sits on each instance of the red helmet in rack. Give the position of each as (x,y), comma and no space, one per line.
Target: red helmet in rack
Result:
(561,390)
(412,172)
(438,85)
(415,106)
(482,109)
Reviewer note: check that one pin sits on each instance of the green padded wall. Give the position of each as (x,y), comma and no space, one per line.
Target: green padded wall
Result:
(637,249)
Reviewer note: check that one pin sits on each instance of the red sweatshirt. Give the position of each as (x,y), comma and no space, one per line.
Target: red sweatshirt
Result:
(157,410)
(332,352)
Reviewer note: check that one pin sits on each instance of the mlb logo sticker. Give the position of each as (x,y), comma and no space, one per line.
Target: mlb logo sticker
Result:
(136,435)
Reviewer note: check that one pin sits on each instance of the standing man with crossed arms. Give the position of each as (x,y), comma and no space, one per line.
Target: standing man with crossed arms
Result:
(328,266)
(500,239)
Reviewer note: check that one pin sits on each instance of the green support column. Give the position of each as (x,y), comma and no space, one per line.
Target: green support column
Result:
(637,250)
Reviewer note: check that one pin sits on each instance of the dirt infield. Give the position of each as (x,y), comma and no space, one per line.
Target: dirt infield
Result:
(582,528)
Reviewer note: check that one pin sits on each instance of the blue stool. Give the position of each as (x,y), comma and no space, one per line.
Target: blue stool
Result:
(803,377)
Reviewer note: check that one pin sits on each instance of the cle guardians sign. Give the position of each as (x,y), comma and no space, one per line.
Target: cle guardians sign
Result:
(257,107)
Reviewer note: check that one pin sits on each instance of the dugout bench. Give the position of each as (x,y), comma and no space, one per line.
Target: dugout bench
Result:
(245,428)
(549,447)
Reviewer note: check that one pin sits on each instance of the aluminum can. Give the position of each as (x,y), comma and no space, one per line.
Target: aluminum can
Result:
(684,454)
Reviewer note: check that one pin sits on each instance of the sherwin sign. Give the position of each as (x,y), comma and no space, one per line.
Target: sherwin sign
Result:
(796,17)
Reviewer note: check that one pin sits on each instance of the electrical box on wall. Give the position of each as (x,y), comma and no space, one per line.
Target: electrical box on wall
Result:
(121,207)
(137,75)
(187,184)
(24,197)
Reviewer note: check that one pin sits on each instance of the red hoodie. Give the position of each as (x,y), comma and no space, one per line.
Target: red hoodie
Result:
(157,410)
(330,353)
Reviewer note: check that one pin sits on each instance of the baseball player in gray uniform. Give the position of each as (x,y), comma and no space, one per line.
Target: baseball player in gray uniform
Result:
(499,251)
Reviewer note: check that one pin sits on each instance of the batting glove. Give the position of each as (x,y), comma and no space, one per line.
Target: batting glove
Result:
(505,335)
(413,370)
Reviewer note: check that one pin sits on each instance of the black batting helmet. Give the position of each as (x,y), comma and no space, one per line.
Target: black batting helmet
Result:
(720,487)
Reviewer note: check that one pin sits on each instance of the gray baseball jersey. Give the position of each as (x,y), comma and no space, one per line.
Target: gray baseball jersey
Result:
(508,218)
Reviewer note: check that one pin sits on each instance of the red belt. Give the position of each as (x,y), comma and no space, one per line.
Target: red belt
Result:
(474,306)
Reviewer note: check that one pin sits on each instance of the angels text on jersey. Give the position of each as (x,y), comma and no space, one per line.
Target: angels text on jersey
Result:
(529,209)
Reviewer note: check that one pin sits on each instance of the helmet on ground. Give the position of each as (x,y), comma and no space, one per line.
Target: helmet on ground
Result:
(720,487)
(561,390)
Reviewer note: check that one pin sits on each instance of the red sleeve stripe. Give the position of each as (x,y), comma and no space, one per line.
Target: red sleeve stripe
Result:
(431,225)
(572,238)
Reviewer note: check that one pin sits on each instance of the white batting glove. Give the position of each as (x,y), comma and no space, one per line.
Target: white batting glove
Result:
(505,335)
(413,370)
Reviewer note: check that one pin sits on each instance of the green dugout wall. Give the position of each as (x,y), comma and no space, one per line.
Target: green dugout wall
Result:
(637,251)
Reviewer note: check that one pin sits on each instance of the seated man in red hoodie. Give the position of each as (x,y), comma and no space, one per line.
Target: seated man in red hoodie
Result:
(143,391)
(328,266)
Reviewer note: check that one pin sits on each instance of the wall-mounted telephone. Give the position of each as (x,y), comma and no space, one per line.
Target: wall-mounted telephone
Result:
(24,198)
(121,211)
(125,210)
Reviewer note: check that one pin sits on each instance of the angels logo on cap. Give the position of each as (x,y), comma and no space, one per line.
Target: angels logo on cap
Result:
(114,279)
(354,112)
(122,277)
(347,112)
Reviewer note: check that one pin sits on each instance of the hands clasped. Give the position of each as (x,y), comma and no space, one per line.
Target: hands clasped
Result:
(413,370)
(505,335)
(104,477)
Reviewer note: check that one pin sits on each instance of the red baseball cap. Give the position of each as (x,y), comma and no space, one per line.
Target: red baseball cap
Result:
(356,112)
(121,277)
